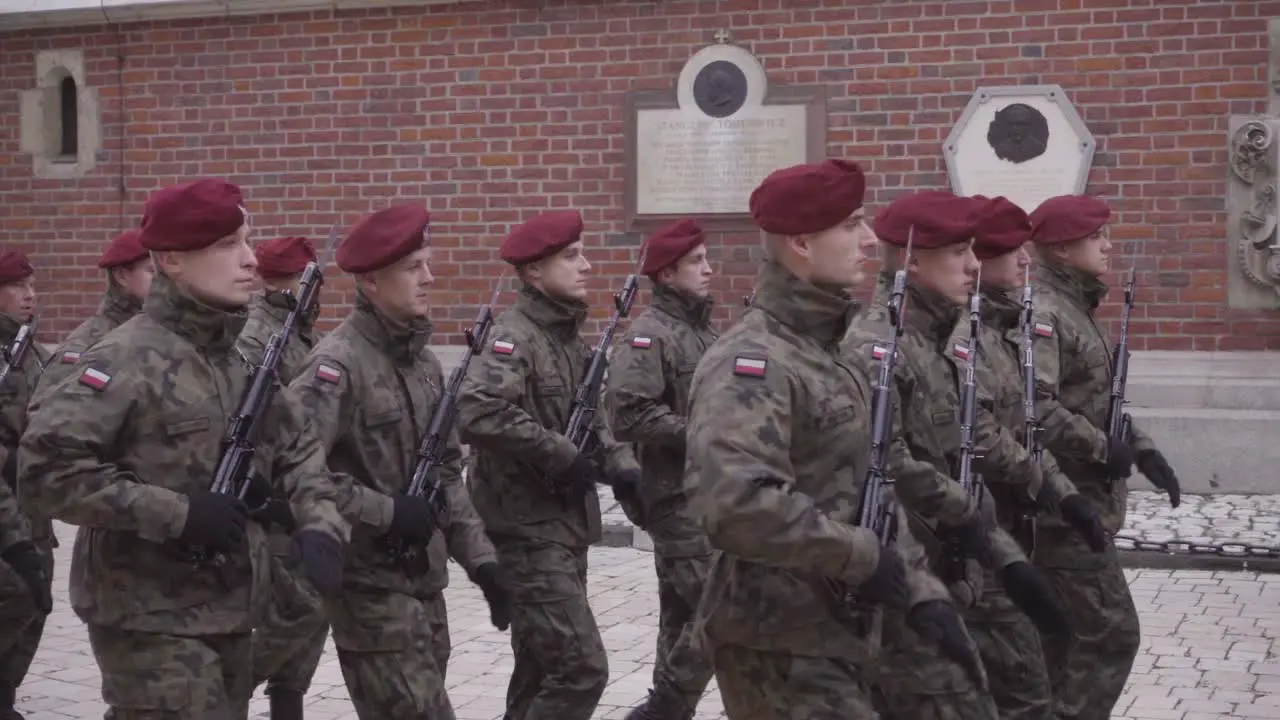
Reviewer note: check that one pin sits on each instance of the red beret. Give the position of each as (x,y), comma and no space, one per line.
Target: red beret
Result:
(1002,228)
(382,238)
(940,218)
(14,266)
(1067,217)
(282,257)
(126,248)
(808,198)
(192,216)
(542,236)
(670,243)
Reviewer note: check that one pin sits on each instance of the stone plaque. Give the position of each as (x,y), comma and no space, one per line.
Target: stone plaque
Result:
(700,150)
(1025,143)
(1253,247)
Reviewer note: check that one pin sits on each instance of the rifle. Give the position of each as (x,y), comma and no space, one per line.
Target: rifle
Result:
(17,350)
(236,464)
(1032,433)
(1119,423)
(425,481)
(964,475)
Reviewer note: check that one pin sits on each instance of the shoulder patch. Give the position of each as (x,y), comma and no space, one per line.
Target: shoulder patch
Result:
(960,351)
(1044,330)
(504,347)
(328,373)
(879,351)
(70,357)
(751,367)
(641,342)
(95,379)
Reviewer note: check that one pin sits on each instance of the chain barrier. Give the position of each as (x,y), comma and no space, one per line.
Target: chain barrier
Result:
(1228,549)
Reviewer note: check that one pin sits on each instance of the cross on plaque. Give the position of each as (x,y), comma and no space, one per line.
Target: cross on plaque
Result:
(722,36)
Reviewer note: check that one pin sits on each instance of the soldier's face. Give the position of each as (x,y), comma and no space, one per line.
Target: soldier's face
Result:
(950,271)
(1090,254)
(564,274)
(18,298)
(135,279)
(223,275)
(1006,271)
(692,274)
(837,255)
(401,290)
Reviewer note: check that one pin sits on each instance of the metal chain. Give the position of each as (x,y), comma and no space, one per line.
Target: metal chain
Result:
(1181,547)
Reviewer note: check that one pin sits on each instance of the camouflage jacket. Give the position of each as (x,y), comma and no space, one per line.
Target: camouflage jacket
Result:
(649,376)
(513,407)
(267,314)
(1073,384)
(116,447)
(15,396)
(370,388)
(778,436)
(116,307)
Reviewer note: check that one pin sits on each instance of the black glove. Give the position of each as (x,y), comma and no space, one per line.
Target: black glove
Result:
(1030,590)
(496,586)
(413,521)
(1119,464)
(1153,465)
(888,583)
(26,562)
(215,521)
(1081,515)
(972,539)
(938,621)
(581,476)
(626,490)
(320,556)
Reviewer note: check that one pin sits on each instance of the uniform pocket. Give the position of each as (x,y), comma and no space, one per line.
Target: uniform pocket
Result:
(156,690)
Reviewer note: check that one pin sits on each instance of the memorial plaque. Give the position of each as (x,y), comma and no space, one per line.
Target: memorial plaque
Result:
(699,150)
(1025,143)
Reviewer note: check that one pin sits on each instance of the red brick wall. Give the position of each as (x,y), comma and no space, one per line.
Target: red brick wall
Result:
(489,115)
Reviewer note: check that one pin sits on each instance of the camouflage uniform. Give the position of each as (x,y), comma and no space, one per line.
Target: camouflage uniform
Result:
(119,448)
(651,370)
(116,307)
(1073,380)
(778,438)
(288,646)
(513,406)
(370,388)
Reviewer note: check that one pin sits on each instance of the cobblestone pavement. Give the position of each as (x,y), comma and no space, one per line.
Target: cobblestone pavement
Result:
(1209,650)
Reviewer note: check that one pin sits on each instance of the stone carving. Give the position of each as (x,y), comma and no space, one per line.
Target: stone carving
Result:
(1253,164)
(1018,133)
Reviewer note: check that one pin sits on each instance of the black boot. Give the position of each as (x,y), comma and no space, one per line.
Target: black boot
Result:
(663,703)
(7,698)
(285,704)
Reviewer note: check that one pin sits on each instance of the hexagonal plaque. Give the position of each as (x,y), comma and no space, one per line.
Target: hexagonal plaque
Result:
(1026,143)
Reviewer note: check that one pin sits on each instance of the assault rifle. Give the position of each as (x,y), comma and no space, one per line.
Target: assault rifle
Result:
(1118,421)
(1024,520)
(969,482)
(425,482)
(238,445)
(17,350)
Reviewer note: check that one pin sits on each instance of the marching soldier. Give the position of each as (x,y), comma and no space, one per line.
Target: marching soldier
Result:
(651,370)
(1073,381)
(370,388)
(536,493)
(126,448)
(288,645)
(27,540)
(917,682)
(778,434)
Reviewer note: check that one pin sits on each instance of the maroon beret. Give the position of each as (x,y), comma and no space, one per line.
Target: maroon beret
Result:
(542,236)
(808,198)
(282,257)
(192,216)
(1067,217)
(126,248)
(940,218)
(1002,228)
(665,247)
(14,266)
(382,238)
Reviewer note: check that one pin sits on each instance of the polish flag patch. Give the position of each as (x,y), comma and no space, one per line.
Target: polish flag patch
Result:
(960,351)
(879,351)
(328,373)
(641,342)
(70,357)
(1044,330)
(502,347)
(751,367)
(95,379)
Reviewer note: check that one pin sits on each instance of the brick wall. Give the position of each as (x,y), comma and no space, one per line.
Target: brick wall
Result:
(490,115)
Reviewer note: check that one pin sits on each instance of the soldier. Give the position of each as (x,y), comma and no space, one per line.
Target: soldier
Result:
(288,645)
(370,388)
(778,434)
(26,580)
(536,493)
(651,370)
(126,447)
(129,270)
(1073,380)
(916,682)
(1019,485)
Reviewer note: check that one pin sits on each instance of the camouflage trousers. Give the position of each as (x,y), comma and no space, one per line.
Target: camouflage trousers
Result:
(915,681)
(680,662)
(560,664)
(762,685)
(150,676)
(21,622)
(287,647)
(393,650)
(1088,672)
(1009,645)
